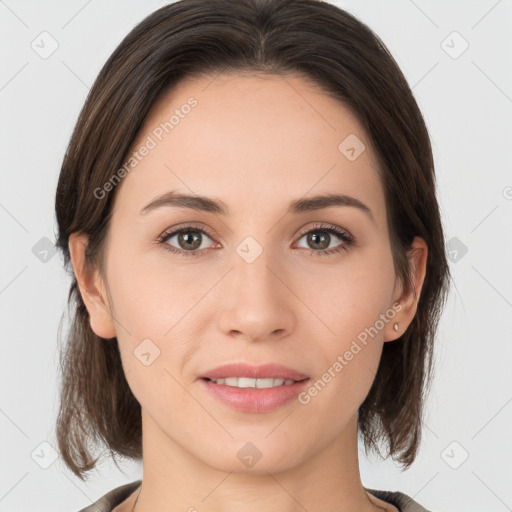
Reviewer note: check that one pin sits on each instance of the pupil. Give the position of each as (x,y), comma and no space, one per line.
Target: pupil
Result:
(188,237)
(314,240)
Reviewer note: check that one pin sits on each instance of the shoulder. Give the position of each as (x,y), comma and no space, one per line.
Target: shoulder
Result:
(403,502)
(113,498)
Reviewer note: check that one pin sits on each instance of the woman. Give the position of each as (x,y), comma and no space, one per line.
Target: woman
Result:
(248,207)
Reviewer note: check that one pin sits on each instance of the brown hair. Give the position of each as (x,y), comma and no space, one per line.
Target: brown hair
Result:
(191,37)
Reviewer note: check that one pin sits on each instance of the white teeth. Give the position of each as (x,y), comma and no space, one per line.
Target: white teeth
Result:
(247,382)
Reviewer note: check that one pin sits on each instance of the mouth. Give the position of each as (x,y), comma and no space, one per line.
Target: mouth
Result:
(255,389)
(247,373)
(248,382)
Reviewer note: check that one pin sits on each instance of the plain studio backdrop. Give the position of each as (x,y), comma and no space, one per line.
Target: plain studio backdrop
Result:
(455,56)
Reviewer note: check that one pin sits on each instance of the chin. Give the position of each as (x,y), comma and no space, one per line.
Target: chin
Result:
(256,457)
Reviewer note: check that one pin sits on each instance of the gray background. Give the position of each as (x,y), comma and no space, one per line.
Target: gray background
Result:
(466,98)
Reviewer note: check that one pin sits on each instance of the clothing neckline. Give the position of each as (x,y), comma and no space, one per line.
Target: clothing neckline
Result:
(119,494)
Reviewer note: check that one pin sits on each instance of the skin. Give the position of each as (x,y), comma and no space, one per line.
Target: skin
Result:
(256,143)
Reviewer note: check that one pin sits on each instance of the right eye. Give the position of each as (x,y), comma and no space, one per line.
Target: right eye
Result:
(189,240)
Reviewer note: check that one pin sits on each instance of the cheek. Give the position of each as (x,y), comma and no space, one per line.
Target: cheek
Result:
(353,303)
(348,297)
(152,306)
(150,293)
(156,306)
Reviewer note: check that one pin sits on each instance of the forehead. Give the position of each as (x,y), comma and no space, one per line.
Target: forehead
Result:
(251,140)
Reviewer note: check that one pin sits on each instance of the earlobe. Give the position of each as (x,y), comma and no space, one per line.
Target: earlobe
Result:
(408,299)
(92,288)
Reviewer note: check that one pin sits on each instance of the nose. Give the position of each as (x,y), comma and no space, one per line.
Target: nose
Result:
(258,304)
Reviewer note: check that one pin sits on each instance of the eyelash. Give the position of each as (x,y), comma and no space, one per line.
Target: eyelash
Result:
(348,240)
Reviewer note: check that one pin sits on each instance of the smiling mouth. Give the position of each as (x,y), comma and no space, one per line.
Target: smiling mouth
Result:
(248,382)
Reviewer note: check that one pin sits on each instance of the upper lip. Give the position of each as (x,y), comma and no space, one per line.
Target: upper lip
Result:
(277,371)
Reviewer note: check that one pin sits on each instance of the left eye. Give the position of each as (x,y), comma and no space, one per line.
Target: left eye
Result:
(320,238)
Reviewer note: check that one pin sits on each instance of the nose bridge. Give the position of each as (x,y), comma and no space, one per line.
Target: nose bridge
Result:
(256,277)
(255,267)
(258,304)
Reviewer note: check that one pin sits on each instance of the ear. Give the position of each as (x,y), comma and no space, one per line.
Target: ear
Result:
(408,299)
(92,288)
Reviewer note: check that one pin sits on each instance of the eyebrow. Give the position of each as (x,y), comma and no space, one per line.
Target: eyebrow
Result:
(212,205)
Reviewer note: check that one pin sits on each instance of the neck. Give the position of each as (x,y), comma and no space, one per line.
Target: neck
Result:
(174,479)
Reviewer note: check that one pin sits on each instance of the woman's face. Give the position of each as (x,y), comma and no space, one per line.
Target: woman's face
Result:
(262,282)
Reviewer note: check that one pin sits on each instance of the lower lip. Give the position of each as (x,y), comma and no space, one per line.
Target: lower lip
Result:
(254,399)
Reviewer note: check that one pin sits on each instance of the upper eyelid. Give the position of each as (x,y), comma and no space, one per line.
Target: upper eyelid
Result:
(174,230)
(325,226)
